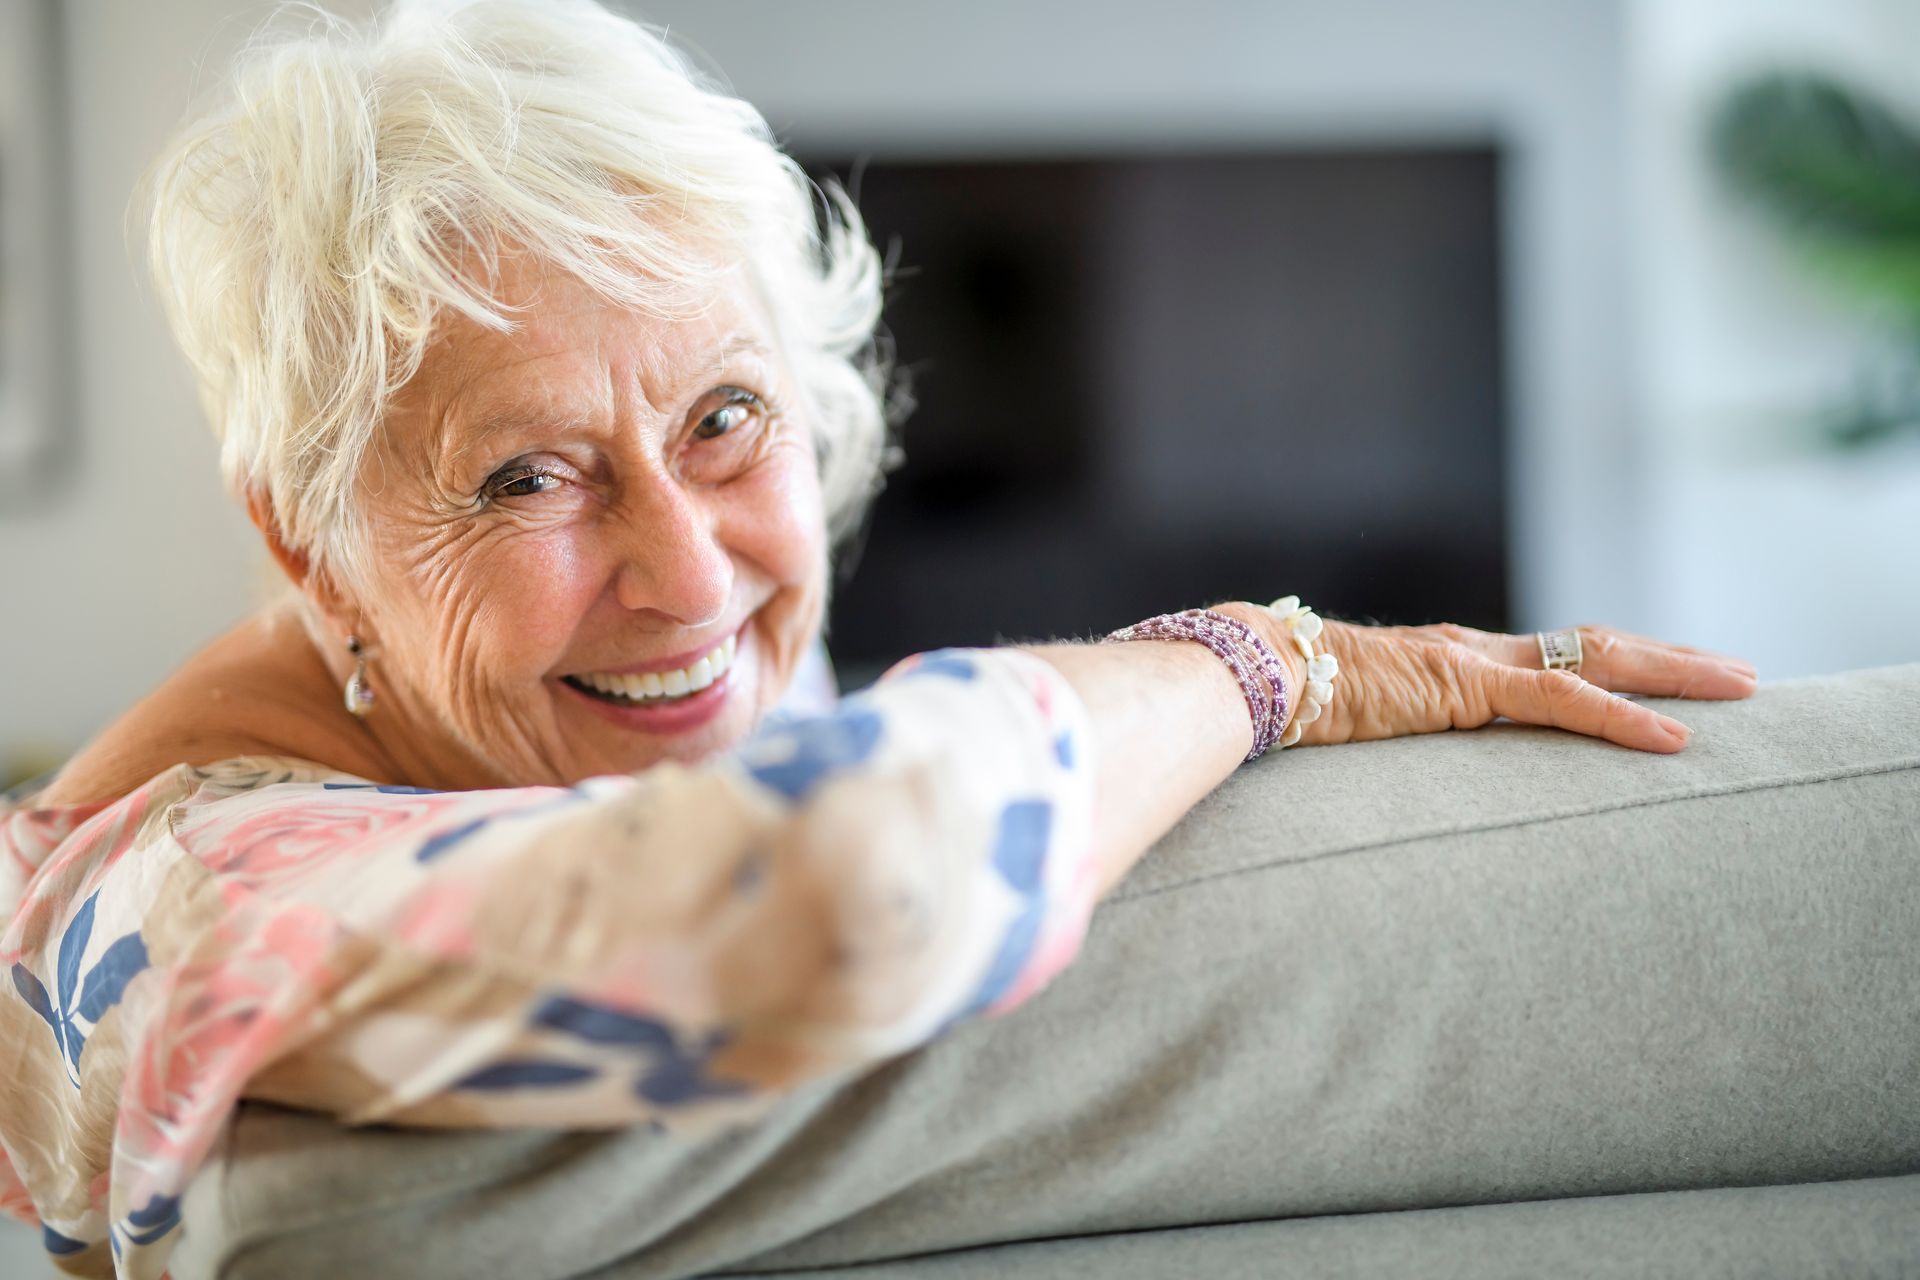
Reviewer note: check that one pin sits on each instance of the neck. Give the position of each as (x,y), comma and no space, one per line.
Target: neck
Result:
(263,688)
(383,743)
(311,719)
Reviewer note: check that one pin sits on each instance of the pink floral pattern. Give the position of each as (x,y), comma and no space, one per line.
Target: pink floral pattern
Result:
(601,955)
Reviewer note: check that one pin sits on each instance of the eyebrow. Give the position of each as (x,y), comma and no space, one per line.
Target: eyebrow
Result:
(740,344)
(516,415)
(465,435)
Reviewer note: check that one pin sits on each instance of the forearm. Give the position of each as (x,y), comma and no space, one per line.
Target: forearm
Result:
(1169,723)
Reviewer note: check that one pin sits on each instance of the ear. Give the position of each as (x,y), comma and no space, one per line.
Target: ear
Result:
(295,563)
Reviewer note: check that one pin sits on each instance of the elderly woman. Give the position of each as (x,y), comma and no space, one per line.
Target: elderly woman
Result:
(532,805)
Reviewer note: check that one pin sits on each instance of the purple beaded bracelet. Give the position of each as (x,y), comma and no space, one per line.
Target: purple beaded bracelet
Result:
(1244,652)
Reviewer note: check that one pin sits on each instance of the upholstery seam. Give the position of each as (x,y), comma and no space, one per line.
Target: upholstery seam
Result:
(1555,815)
(1122,1233)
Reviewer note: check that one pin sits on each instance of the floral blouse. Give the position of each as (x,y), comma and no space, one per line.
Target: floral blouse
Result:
(673,948)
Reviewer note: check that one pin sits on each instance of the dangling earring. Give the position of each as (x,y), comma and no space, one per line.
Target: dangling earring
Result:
(359,692)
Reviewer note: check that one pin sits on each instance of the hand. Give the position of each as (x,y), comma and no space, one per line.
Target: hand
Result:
(1401,680)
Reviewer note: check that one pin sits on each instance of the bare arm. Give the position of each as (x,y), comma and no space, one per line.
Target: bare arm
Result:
(1169,723)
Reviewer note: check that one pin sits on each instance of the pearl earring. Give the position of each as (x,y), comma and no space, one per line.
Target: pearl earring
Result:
(359,692)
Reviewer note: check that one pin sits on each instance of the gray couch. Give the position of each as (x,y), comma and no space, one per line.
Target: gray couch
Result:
(1504,1003)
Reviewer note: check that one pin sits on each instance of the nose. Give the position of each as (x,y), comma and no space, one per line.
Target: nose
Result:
(672,560)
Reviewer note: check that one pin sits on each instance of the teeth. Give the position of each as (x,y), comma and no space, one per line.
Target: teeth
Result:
(665,684)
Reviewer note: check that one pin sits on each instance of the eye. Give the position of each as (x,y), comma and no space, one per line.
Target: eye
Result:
(738,408)
(521,481)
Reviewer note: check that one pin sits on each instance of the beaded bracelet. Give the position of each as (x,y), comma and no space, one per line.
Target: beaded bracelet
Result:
(1303,627)
(1244,652)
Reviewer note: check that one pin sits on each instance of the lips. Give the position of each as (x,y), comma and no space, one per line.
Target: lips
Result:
(658,687)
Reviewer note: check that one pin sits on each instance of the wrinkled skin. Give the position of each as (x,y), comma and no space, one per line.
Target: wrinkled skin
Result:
(1396,681)
(589,491)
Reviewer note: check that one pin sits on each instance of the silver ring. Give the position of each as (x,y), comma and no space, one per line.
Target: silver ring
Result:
(1559,650)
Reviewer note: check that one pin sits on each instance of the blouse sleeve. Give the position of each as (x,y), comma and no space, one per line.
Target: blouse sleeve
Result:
(675,947)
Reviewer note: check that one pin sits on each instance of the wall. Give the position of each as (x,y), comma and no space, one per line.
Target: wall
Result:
(1759,540)
(116,575)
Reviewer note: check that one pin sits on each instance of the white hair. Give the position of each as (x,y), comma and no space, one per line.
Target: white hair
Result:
(306,233)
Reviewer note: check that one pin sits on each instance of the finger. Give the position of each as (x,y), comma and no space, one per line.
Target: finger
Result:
(1626,663)
(1563,700)
(1739,664)
(1589,635)
(1630,664)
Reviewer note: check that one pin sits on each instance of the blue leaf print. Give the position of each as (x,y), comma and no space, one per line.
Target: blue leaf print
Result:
(951,663)
(382,788)
(1019,855)
(680,1078)
(58,1245)
(526,1073)
(1063,749)
(676,1071)
(75,998)
(447,839)
(73,945)
(797,757)
(1020,848)
(108,979)
(600,1025)
(33,993)
(159,1216)
(1015,946)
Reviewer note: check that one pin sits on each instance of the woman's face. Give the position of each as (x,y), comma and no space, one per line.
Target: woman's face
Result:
(578,523)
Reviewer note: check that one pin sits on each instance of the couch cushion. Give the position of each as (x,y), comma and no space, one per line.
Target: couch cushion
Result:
(1860,1229)
(1465,969)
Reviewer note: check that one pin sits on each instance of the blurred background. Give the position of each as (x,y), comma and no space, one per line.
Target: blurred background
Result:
(1521,314)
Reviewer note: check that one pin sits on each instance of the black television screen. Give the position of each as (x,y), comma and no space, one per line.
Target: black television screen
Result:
(1145,383)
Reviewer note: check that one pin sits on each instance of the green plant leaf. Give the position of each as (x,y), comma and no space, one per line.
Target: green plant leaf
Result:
(1830,161)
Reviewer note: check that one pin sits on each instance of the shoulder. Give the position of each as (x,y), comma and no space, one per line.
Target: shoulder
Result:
(250,693)
(127,757)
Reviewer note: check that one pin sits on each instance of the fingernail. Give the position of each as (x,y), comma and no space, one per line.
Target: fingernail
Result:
(1675,729)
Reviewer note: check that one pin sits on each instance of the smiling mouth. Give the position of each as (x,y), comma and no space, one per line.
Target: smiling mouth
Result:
(657,688)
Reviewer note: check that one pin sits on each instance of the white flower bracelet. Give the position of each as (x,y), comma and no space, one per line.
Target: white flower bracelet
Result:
(1303,628)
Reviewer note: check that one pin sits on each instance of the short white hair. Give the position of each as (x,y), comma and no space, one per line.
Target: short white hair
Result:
(307,232)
